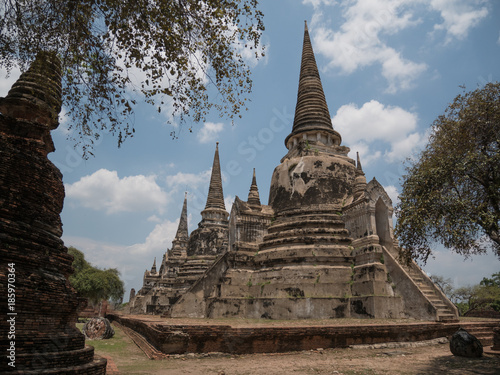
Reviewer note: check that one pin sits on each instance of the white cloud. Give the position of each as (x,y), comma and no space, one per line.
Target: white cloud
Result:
(104,190)
(196,184)
(404,146)
(358,43)
(154,219)
(400,73)
(451,265)
(209,131)
(366,155)
(459,16)
(317,3)
(189,181)
(374,122)
(108,255)
(393,193)
(228,201)
(158,241)
(362,40)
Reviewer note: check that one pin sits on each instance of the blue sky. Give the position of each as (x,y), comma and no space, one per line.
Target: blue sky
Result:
(388,68)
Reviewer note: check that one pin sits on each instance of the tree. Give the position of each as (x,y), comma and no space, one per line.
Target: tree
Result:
(451,192)
(493,285)
(471,298)
(188,53)
(477,297)
(445,285)
(93,283)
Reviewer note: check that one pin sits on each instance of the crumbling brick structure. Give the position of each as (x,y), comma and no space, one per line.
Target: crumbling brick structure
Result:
(323,247)
(41,311)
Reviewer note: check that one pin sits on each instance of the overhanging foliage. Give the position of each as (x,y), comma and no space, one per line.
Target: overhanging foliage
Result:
(176,49)
(451,192)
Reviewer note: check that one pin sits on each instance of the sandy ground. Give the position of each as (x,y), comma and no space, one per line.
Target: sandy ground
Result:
(435,359)
(430,359)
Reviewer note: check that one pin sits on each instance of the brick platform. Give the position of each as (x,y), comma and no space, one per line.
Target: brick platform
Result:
(263,338)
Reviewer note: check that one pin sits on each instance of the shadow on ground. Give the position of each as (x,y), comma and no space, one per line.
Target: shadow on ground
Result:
(450,364)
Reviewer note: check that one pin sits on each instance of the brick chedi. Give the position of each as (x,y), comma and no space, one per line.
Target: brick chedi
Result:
(322,248)
(190,255)
(35,262)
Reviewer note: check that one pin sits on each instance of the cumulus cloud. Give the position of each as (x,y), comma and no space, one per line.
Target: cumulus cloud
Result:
(359,41)
(458,16)
(366,155)
(158,241)
(196,184)
(374,122)
(362,40)
(104,190)
(209,132)
(188,181)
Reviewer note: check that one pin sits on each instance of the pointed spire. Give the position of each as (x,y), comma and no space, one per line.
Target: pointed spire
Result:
(215,198)
(358,166)
(182,230)
(180,242)
(153,269)
(311,111)
(253,194)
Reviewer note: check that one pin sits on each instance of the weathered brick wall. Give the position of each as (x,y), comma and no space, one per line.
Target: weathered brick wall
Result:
(484,314)
(203,338)
(44,335)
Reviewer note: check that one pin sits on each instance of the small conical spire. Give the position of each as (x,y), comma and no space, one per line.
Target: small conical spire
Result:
(153,269)
(182,230)
(215,198)
(253,195)
(311,111)
(360,181)
(358,164)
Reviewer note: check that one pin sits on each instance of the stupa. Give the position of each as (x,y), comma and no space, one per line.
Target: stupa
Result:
(190,256)
(41,312)
(322,248)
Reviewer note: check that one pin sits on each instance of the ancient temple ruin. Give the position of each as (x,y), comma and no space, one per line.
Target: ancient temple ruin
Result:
(322,248)
(190,255)
(41,311)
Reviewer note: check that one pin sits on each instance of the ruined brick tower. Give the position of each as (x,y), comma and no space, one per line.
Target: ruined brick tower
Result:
(34,259)
(323,247)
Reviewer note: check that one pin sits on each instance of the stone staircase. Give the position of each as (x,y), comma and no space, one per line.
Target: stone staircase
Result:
(143,344)
(483,331)
(444,313)
(445,310)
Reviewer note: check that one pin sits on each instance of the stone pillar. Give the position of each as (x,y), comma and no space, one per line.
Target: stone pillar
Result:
(41,311)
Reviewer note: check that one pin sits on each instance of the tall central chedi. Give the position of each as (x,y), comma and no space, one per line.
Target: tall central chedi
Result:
(322,248)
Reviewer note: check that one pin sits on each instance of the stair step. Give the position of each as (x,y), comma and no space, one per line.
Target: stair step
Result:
(439,305)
